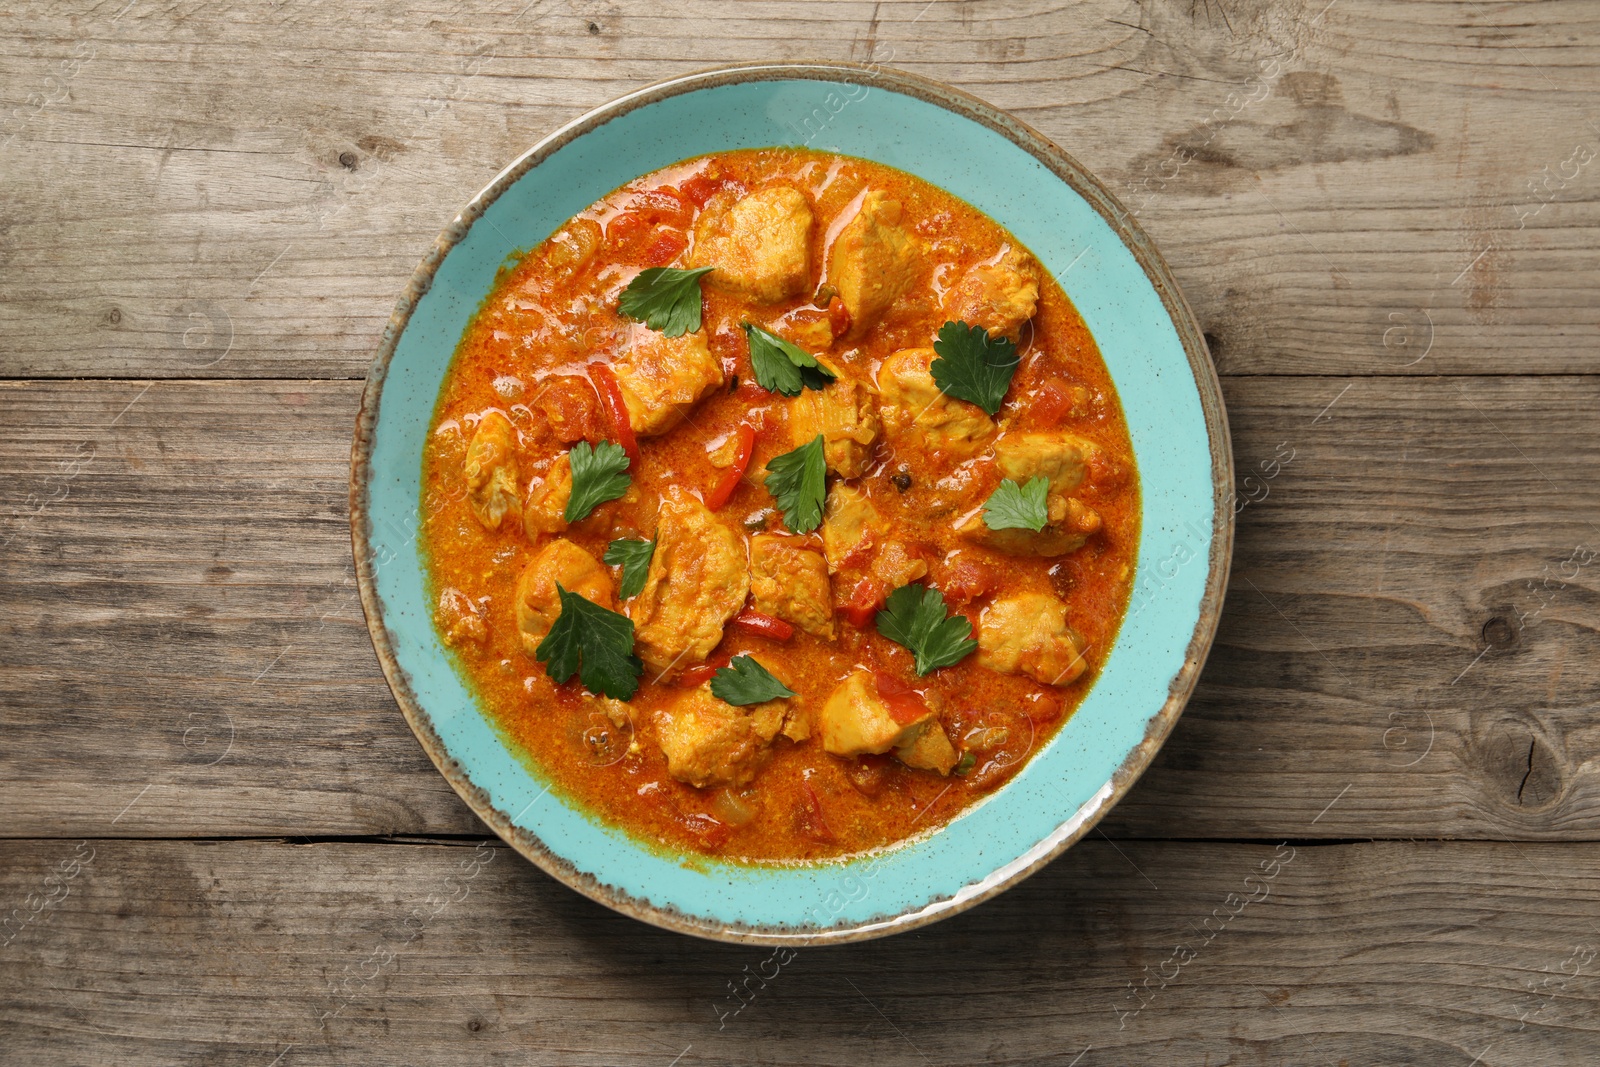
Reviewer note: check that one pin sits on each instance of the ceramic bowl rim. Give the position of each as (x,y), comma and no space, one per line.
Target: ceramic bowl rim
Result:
(1061,165)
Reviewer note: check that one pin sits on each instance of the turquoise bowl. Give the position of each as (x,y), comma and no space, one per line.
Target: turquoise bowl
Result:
(1157,358)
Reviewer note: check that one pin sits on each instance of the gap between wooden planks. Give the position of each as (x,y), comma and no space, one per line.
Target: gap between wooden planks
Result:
(237,952)
(1407,648)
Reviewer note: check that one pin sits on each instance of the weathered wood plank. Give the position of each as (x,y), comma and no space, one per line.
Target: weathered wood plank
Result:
(227,190)
(1408,636)
(255,952)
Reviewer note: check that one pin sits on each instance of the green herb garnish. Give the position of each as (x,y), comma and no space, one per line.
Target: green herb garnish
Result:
(665,299)
(596,477)
(744,681)
(593,642)
(915,617)
(781,366)
(634,559)
(798,481)
(965,764)
(973,366)
(1018,507)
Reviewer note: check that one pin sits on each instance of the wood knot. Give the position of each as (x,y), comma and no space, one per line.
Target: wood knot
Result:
(594,27)
(1214,343)
(348,160)
(476,1023)
(1499,633)
(1526,769)
(113,317)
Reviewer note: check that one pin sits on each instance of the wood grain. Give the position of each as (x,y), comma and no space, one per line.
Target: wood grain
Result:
(1408,640)
(230,190)
(222,846)
(257,952)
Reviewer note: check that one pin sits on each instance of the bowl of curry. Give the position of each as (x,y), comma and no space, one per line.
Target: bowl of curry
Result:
(792,503)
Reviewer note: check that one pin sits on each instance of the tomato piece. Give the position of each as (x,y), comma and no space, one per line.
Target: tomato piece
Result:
(723,490)
(712,834)
(906,705)
(864,603)
(698,189)
(754,622)
(1053,401)
(570,407)
(626,229)
(1043,708)
(868,774)
(667,246)
(610,390)
(858,555)
(967,580)
(662,206)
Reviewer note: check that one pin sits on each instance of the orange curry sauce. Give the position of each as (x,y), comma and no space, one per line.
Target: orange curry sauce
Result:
(526,355)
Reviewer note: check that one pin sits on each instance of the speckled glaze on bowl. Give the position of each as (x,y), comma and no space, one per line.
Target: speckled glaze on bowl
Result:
(1150,342)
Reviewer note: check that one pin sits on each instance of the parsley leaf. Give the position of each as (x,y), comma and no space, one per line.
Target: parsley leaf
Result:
(972,365)
(783,367)
(1018,507)
(634,559)
(593,642)
(596,477)
(798,481)
(744,681)
(914,616)
(666,299)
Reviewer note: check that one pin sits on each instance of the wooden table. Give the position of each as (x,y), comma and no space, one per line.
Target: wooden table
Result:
(221,844)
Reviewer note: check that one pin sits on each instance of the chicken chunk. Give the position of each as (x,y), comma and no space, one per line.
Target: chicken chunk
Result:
(873,261)
(490,469)
(929,750)
(913,404)
(1061,458)
(663,378)
(857,719)
(1028,634)
(797,724)
(545,510)
(618,712)
(853,539)
(760,245)
(998,296)
(1071,524)
(848,523)
(698,577)
(846,415)
(807,326)
(460,619)
(894,565)
(539,604)
(708,742)
(791,581)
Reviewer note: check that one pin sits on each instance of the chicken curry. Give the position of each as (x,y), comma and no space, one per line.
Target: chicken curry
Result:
(778,506)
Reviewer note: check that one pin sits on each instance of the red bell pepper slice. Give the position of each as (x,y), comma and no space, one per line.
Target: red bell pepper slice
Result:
(701,673)
(812,817)
(610,391)
(722,492)
(761,625)
(905,703)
